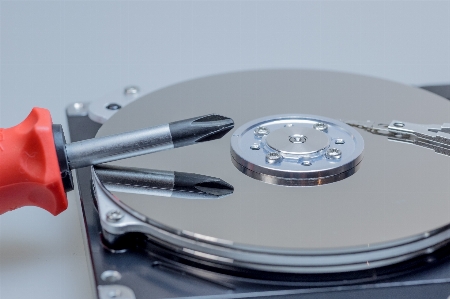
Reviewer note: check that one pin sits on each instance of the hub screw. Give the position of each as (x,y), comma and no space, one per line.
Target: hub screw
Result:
(261,131)
(321,127)
(114,216)
(297,138)
(273,157)
(333,153)
(255,146)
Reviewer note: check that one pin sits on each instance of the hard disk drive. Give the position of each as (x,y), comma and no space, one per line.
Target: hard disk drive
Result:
(330,185)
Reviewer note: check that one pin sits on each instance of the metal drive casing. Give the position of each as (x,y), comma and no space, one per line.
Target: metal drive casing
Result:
(361,225)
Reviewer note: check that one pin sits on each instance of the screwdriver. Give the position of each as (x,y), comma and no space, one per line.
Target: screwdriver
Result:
(37,162)
(162,183)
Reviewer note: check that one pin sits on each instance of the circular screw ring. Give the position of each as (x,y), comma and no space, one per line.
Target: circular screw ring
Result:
(333,153)
(114,216)
(273,157)
(321,127)
(261,131)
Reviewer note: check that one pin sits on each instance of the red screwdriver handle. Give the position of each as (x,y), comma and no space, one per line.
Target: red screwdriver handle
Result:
(29,169)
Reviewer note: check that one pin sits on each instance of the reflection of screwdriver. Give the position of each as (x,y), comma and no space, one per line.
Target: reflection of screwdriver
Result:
(37,163)
(162,183)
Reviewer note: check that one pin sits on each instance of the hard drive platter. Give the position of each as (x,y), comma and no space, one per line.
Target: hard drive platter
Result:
(310,198)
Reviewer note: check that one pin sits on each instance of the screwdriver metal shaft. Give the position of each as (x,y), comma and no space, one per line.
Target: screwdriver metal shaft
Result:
(176,134)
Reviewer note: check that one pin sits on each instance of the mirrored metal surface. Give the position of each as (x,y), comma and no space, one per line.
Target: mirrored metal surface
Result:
(162,183)
(398,192)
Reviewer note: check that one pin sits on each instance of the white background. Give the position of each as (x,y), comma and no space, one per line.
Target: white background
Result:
(53,53)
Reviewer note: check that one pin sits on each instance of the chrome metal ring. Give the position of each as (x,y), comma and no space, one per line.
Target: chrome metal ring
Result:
(306,153)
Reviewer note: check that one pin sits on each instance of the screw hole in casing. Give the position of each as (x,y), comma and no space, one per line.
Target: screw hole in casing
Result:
(114,293)
(113,106)
(114,216)
(131,90)
(110,276)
